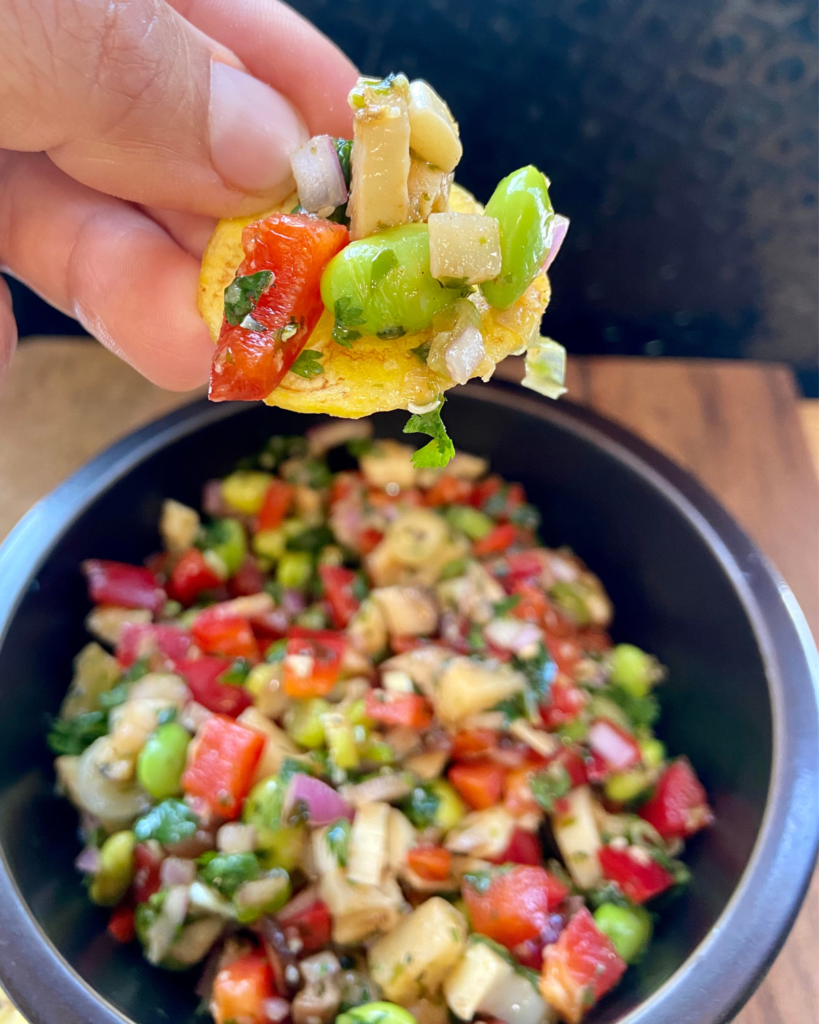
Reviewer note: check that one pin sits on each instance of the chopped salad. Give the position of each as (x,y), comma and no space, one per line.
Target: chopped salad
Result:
(360,746)
(379,283)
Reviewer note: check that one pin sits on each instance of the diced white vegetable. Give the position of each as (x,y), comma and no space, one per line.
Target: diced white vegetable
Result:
(433,131)
(542,742)
(278,745)
(515,1000)
(388,462)
(423,665)
(415,536)
(106,622)
(474,594)
(116,805)
(379,197)
(236,838)
(468,687)
(457,346)
(368,844)
(560,227)
(415,957)
(168,689)
(196,941)
(381,788)
(401,837)
(360,910)
(95,672)
(178,526)
(479,970)
(161,934)
(319,177)
(428,189)
(324,861)
(428,765)
(208,901)
(577,838)
(407,611)
(514,635)
(464,247)
(484,834)
(396,682)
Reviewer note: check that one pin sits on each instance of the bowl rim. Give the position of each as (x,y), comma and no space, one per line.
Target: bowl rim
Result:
(720,974)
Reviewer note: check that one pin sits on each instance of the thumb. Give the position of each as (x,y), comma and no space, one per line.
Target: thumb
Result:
(167,117)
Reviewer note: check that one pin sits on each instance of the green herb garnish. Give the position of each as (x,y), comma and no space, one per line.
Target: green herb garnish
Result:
(308,364)
(169,822)
(550,785)
(73,735)
(338,841)
(422,351)
(242,294)
(440,449)
(347,318)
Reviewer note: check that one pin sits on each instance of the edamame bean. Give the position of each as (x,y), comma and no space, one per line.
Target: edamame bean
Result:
(383,285)
(376,1013)
(277,846)
(471,521)
(653,752)
(304,722)
(524,211)
(294,569)
(450,807)
(270,544)
(227,539)
(626,786)
(162,760)
(629,928)
(116,869)
(632,669)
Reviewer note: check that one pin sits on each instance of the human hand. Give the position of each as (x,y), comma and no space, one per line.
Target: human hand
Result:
(126,127)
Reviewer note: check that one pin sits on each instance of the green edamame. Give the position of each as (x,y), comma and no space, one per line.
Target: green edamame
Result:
(522,207)
(629,928)
(162,760)
(383,285)
(227,539)
(294,570)
(376,1013)
(632,670)
(304,724)
(471,521)
(278,845)
(116,869)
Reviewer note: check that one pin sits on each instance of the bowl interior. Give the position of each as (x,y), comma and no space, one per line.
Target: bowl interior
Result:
(671,595)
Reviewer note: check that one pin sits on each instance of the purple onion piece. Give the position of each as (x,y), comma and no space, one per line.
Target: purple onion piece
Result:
(89,861)
(276,1009)
(322,803)
(560,226)
(319,177)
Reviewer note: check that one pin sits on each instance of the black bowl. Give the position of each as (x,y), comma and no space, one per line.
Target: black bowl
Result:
(686,584)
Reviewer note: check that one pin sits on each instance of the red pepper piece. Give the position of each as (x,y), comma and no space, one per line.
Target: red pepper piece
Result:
(432,863)
(312,662)
(146,872)
(516,904)
(127,586)
(217,631)
(500,538)
(296,247)
(121,924)
(399,709)
(202,676)
(192,576)
(241,990)
(480,782)
(144,639)
(338,589)
(640,877)
(276,504)
(220,769)
(308,920)
(679,807)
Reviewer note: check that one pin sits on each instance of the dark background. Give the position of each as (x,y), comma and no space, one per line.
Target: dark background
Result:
(680,137)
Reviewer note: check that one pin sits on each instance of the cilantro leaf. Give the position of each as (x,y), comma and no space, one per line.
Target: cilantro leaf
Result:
(242,294)
(308,364)
(338,841)
(550,785)
(73,735)
(422,350)
(347,318)
(169,822)
(344,151)
(225,872)
(440,449)
(506,605)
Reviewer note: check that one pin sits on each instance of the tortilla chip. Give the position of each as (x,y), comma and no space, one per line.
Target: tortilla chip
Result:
(374,375)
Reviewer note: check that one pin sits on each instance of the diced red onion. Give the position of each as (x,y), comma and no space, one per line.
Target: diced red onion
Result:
(276,1009)
(618,751)
(319,177)
(177,871)
(560,226)
(89,861)
(512,634)
(293,602)
(324,805)
(212,501)
(298,905)
(464,354)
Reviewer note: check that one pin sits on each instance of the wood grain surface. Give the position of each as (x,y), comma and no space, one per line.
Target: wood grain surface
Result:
(736,426)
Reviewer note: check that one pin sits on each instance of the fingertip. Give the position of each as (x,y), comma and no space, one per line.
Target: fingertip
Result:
(8,329)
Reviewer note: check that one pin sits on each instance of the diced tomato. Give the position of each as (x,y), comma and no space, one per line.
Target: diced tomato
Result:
(517,794)
(579,968)
(402,644)
(146,872)
(525,565)
(241,989)
(639,876)
(533,602)
(448,490)
(221,765)
(338,589)
(121,924)
(516,904)
(480,782)
(679,806)
(247,580)
(472,743)
(530,953)
(276,505)
(593,640)
(192,576)
(481,492)
(432,863)
(312,662)
(565,651)
(613,745)
(144,639)
(523,848)
(249,363)
(405,709)
(308,920)
(368,540)
(127,586)
(344,484)
(563,706)
(498,539)
(202,676)
(575,766)
(219,632)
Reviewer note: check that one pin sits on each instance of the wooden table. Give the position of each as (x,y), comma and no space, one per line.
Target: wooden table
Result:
(735,425)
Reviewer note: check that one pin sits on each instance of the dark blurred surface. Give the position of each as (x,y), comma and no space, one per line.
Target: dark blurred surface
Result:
(680,137)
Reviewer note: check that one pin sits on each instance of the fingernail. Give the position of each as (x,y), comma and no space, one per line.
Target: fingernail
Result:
(253,131)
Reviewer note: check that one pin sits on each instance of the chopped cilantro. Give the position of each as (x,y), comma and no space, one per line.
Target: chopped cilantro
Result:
(276,652)
(390,332)
(539,672)
(114,697)
(308,364)
(169,822)
(225,872)
(641,711)
(347,318)
(422,350)
(72,735)
(506,605)
(338,841)
(360,446)
(290,767)
(344,151)
(479,880)
(421,806)
(242,294)
(440,449)
(550,785)
(313,539)
(237,673)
